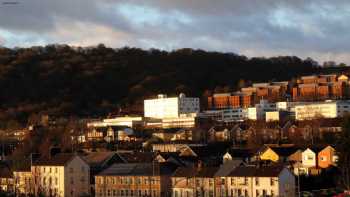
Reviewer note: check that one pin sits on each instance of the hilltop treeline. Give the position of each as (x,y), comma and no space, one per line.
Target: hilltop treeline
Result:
(61,80)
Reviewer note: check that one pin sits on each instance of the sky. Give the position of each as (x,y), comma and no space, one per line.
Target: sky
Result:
(306,28)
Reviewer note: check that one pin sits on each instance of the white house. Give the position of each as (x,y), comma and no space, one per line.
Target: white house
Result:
(256,181)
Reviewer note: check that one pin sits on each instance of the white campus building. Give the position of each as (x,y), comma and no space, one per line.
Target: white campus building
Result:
(259,111)
(226,115)
(172,107)
(326,109)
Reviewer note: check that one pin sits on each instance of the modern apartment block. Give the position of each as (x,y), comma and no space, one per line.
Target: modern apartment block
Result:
(320,87)
(170,107)
(326,109)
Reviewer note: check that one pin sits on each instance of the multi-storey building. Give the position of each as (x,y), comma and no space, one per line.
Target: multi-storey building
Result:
(228,100)
(137,179)
(326,109)
(259,111)
(61,175)
(318,87)
(172,107)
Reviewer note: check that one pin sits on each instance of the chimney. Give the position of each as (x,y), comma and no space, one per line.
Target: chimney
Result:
(34,157)
(199,165)
(54,151)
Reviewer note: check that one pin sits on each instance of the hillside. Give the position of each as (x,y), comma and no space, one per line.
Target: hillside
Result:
(61,80)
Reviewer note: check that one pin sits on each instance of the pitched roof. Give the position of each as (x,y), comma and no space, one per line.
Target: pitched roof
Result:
(5,170)
(226,168)
(208,172)
(139,169)
(58,160)
(254,171)
(137,157)
(98,158)
(241,153)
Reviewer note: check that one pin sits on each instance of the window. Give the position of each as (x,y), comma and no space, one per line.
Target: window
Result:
(272,182)
(232,181)
(272,193)
(56,170)
(56,181)
(239,192)
(44,169)
(211,193)
(323,158)
(257,193)
(256,180)
(50,169)
(246,193)
(108,192)
(245,181)
(264,192)
(222,181)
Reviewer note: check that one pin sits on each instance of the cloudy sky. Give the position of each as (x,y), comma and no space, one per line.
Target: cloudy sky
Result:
(307,28)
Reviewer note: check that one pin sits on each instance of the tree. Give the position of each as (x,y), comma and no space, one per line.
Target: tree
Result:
(343,149)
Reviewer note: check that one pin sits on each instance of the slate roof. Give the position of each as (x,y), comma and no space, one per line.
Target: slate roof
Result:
(207,172)
(254,171)
(58,160)
(5,170)
(137,157)
(99,158)
(139,169)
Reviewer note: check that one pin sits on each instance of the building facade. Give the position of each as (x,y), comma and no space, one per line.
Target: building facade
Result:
(172,107)
(61,175)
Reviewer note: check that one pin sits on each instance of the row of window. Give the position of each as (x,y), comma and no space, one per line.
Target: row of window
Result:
(245,181)
(126,180)
(126,192)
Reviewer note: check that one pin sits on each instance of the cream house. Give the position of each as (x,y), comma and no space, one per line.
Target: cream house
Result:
(61,175)
(23,181)
(256,181)
(308,158)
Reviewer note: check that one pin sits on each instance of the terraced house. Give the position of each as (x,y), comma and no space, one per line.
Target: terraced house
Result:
(135,179)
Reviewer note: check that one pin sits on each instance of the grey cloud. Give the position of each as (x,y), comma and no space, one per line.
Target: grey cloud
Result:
(316,28)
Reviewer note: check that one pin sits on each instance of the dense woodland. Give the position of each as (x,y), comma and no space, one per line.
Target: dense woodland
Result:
(88,82)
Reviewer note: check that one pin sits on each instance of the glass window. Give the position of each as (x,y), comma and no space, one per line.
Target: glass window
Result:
(256,180)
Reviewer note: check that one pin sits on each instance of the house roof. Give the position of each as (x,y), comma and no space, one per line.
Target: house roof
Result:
(139,169)
(284,151)
(58,160)
(136,157)
(5,170)
(255,171)
(241,153)
(98,158)
(208,172)
(226,168)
